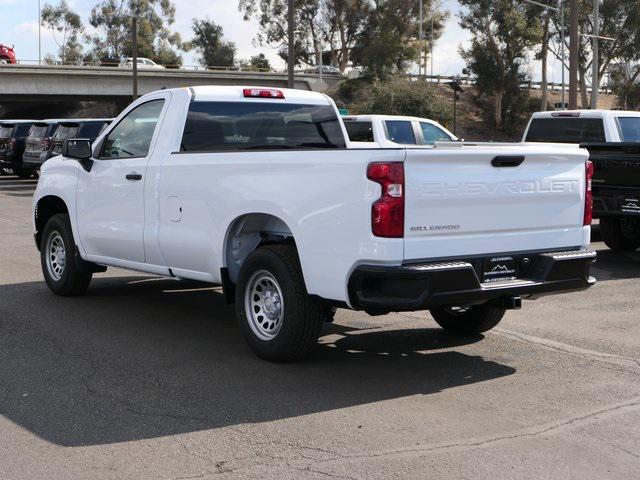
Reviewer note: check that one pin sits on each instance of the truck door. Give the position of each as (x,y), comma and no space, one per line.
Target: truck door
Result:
(110,197)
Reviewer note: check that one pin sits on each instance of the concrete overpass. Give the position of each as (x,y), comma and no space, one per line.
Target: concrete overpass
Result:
(56,85)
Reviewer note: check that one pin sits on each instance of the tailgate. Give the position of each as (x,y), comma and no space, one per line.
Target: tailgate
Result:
(617,164)
(469,201)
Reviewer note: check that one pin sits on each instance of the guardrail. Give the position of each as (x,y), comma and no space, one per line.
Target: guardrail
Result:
(468,80)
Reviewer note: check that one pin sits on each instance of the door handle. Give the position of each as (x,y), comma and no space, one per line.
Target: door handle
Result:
(133,176)
(507,161)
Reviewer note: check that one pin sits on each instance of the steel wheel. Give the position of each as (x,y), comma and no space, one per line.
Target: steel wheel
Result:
(264,305)
(56,255)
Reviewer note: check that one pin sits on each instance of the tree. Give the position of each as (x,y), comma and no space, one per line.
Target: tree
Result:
(260,62)
(503,31)
(68,25)
(208,41)
(112,21)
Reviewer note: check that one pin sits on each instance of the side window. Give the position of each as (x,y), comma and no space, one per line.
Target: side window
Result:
(400,131)
(131,138)
(433,134)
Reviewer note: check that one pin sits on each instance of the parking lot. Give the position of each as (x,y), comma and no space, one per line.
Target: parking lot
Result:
(150,378)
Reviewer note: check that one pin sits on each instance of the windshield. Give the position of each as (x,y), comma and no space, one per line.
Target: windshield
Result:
(90,129)
(566,130)
(359,131)
(629,128)
(66,130)
(6,131)
(38,131)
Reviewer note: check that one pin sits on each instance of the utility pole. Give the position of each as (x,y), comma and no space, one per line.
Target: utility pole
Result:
(562,62)
(39,34)
(420,35)
(595,82)
(291,62)
(431,43)
(135,56)
(574,40)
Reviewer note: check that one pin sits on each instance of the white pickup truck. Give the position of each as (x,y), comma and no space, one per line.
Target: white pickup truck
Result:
(258,190)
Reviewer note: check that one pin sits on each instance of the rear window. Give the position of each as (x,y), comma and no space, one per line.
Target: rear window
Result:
(66,130)
(629,128)
(400,131)
(39,130)
(90,129)
(359,131)
(6,131)
(228,126)
(566,130)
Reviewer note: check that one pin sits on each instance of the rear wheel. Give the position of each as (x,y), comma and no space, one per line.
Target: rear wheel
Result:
(65,272)
(469,320)
(620,234)
(278,318)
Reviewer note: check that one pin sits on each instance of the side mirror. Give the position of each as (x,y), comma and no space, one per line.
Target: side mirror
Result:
(79,149)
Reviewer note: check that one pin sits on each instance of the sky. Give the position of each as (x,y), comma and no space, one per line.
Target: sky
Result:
(19,26)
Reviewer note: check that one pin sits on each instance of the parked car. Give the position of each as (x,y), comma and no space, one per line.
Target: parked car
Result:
(577,126)
(143,64)
(38,141)
(12,141)
(616,193)
(394,130)
(256,189)
(7,55)
(326,70)
(41,148)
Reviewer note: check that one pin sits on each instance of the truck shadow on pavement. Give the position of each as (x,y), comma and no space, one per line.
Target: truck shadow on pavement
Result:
(142,357)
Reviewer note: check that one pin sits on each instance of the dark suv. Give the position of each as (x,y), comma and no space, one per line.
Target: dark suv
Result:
(45,147)
(38,142)
(12,140)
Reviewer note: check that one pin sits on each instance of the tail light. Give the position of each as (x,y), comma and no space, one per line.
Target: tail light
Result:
(387,213)
(588,194)
(45,143)
(12,143)
(262,93)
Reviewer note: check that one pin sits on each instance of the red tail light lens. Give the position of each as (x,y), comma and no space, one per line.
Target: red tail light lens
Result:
(45,143)
(387,213)
(262,93)
(12,143)
(588,194)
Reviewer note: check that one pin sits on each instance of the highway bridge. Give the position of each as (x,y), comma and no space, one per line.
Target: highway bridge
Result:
(35,87)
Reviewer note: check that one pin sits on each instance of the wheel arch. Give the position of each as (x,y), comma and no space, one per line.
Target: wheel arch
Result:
(246,233)
(46,207)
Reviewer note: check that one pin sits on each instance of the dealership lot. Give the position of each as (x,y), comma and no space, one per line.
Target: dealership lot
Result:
(150,378)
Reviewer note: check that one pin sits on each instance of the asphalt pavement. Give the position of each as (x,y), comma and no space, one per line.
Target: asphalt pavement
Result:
(149,378)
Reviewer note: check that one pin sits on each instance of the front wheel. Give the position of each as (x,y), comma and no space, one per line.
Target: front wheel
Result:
(65,272)
(278,318)
(620,234)
(470,320)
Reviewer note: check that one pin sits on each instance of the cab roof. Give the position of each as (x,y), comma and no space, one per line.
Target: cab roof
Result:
(235,93)
(586,114)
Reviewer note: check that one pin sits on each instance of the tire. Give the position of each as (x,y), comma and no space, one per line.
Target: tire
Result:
(469,320)
(72,275)
(620,234)
(24,172)
(276,315)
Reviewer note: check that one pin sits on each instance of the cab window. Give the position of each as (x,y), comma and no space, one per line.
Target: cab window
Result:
(400,131)
(131,138)
(433,134)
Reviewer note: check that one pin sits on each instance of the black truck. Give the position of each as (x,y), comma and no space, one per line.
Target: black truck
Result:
(616,193)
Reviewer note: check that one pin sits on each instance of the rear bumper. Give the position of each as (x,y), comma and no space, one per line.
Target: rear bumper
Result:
(614,201)
(423,286)
(32,160)
(8,161)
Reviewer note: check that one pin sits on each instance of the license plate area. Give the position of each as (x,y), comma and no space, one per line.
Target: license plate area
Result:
(630,205)
(499,268)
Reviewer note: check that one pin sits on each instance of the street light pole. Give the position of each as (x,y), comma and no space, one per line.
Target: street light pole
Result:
(574,52)
(135,57)
(291,45)
(595,83)
(39,34)
(420,41)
